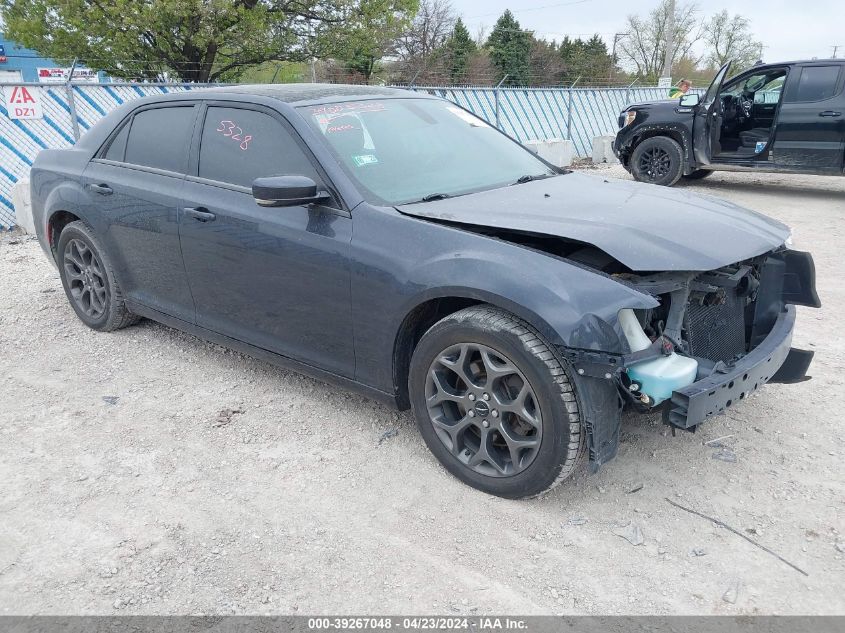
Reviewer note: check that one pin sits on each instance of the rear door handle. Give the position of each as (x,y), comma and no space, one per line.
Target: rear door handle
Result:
(103,190)
(201,214)
(830,113)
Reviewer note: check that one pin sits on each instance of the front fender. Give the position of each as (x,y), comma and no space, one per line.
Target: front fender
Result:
(399,263)
(569,305)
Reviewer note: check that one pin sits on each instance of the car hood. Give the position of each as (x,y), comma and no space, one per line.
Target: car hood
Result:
(645,227)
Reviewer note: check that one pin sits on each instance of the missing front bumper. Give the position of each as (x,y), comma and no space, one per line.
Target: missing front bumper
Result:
(691,405)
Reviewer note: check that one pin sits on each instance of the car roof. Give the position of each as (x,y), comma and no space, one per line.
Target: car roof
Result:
(296,94)
(824,62)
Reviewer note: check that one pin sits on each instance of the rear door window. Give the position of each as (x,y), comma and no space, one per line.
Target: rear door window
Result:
(160,138)
(817,83)
(239,145)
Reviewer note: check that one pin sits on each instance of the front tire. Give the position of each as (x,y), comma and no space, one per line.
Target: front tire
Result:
(89,282)
(494,404)
(658,160)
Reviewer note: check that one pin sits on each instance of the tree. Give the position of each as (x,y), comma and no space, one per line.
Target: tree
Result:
(729,38)
(545,63)
(460,47)
(510,49)
(428,31)
(372,36)
(193,40)
(644,46)
(587,60)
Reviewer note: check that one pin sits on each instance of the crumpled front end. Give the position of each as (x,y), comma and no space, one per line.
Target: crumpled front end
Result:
(715,338)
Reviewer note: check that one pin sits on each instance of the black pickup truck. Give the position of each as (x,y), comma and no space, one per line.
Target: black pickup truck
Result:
(787,117)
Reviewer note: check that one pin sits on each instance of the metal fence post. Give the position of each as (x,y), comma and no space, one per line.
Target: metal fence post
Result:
(569,110)
(72,102)
(628,91)
(496,100)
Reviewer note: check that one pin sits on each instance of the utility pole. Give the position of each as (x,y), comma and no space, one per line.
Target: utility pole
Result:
(670,41)
(616,38)
(835,50)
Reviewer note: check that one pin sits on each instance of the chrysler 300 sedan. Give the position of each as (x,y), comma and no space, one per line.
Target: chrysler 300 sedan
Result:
(395,244)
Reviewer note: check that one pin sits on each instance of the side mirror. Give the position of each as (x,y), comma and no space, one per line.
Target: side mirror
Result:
(286,191)
(689,101)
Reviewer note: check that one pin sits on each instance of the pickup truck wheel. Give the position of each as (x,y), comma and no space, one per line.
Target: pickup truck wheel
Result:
(494,404)
(658,160)
(699,174)
(89,282)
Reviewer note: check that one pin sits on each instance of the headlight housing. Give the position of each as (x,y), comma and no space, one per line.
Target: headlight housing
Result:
(628,117)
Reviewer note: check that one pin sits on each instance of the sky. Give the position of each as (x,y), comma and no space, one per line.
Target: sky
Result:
(791,30)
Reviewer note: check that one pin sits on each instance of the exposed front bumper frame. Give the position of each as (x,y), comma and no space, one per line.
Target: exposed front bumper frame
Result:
(691,405)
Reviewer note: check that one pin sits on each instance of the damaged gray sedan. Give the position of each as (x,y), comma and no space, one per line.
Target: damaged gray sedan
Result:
(399,246)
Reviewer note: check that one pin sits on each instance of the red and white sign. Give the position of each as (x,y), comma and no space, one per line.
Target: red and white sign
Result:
(23,102)
(60,75)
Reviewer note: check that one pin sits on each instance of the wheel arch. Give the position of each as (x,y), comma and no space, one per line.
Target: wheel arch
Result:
(433,307)
(677,133)
(55,223)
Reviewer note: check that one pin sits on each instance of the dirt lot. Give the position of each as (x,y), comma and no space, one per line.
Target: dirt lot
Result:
(124,490)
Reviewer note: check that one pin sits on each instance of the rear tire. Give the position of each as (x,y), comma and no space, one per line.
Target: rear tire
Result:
(699,174)
(658,160)
(494,404)
(89,282)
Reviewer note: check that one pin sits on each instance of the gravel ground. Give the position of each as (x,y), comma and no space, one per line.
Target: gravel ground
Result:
(148,472)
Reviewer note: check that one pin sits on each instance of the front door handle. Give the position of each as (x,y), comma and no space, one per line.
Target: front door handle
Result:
(830,113)
(200,214)
(103,190)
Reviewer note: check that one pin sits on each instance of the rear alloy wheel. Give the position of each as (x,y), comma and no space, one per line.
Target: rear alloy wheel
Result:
(494,404)
(658,160)
(88,280)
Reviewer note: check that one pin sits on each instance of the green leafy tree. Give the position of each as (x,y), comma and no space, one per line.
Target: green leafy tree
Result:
(192,40)
(372,36)
(510,49)
(460,47)
(588,60)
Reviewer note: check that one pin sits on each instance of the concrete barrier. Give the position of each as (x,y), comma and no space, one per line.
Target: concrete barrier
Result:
(603,150)
(557,151)
(23,206)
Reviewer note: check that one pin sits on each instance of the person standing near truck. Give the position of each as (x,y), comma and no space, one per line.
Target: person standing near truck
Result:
(681,89)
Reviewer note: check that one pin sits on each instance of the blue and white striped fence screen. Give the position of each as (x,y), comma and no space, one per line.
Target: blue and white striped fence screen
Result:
(578,114)
(524,113)
(22,139)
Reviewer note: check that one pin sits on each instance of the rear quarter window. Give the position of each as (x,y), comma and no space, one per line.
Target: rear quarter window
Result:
(816,83)
(117,148)
(160,138)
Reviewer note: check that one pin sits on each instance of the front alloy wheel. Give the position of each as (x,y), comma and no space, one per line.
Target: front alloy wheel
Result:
(658,160)
(494,403)
(483,409)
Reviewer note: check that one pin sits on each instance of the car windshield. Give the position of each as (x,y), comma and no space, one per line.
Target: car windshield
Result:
(409,150)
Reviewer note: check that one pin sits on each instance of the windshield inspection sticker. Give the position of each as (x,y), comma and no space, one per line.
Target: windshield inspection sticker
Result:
(473,120)
(365,159)
(761,145)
